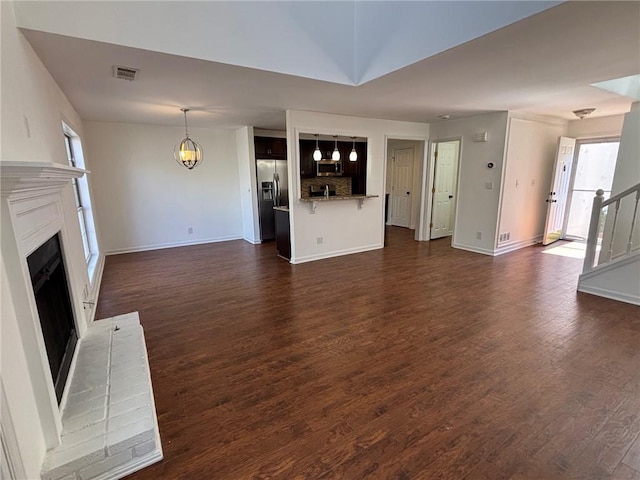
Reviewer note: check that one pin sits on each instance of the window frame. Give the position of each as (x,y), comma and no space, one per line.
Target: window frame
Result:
(84,211)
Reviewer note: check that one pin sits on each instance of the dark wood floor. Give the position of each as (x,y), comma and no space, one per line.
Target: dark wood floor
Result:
(413,362)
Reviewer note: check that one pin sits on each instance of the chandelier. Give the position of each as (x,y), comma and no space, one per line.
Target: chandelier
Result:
(188,153)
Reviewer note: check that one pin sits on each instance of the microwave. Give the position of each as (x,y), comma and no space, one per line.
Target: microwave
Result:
(328,168)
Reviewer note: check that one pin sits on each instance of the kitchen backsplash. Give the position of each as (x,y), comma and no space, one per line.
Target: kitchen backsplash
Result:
(342,185)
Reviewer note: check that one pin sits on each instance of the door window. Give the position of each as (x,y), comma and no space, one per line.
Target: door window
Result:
(594,169)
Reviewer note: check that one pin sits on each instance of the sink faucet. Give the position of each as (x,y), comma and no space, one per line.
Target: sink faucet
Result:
(326,191)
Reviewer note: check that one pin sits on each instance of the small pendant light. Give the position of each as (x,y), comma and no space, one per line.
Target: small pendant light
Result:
(353,156)
(188,153)
(336,153)
(317,154)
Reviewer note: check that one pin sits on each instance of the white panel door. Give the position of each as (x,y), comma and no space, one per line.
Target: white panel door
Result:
(444,189)
(558,192)
(401,187)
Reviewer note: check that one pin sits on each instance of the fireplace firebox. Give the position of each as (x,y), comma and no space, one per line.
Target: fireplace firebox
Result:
(49,280)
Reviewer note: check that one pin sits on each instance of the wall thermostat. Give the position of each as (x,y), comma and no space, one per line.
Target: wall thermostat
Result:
(490,165)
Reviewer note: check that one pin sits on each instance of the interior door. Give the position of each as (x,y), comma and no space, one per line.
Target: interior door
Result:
(401,187)
(558,192)
(444,188)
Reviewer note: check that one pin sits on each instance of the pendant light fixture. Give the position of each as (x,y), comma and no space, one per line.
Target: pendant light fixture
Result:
(317,154)
(188,153)
(336,153)
(353,156)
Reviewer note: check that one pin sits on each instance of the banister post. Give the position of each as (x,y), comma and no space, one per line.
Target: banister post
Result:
(592,239)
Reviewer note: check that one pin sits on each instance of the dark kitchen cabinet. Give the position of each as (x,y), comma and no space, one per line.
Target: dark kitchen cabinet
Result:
(356,170)
(283,235)
(268,147)
(307,165)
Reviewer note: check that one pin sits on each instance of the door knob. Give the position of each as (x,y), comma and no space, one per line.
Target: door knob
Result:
(450,196)
(408,193)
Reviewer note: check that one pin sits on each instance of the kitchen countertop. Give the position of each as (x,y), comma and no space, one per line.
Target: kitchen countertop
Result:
(282,209)
(335,197)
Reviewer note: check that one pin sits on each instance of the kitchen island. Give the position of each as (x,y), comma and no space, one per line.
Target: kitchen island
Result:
(283,233)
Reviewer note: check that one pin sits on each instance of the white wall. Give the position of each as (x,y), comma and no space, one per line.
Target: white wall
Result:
(247,181)
(32,111)
(477,209)
(342,226)
(627,174)
(529,159)
(596,127)
(20,397)
(145,200)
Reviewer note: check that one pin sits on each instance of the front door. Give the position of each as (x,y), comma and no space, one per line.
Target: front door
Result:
(444,188)
(558,191)
(401,187)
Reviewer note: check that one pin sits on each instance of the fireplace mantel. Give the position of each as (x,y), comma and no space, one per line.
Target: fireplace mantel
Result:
(33,196)
(25,177)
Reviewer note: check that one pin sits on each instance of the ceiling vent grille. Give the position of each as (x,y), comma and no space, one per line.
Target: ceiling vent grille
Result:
(480,137)
(125,73)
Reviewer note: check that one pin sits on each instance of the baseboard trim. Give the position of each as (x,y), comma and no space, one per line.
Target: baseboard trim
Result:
(513,246)
(162,246)
(254,241)
(339,253)
(605,267)
(471,248)
(603,292)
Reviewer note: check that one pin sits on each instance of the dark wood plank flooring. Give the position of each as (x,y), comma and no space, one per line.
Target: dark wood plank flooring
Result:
(418,361)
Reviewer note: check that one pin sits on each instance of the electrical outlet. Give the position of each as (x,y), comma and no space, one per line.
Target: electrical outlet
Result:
(479,235)
(488,185)
(190,230)
(503,237)
(319,240)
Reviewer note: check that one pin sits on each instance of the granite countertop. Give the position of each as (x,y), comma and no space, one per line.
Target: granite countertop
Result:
(335,197)
(282,209)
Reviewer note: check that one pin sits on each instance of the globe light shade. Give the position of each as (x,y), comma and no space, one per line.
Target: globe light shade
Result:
(353,156)
(188,153)
(335,155)
(317,154)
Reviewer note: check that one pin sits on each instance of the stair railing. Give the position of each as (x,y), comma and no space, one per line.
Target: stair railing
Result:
(597,226)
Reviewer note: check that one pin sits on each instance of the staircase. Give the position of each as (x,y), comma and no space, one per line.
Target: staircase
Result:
(612,261)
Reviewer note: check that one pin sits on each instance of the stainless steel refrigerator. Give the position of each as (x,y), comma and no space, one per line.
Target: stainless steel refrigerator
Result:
(273,191)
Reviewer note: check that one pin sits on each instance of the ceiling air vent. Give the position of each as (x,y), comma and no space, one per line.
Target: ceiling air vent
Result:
(480,137)
(125,73)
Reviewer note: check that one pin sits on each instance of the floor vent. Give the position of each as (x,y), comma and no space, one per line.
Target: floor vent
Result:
(125,73)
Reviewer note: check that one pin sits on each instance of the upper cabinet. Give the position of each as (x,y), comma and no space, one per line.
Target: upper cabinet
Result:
(270,147)
(356,171)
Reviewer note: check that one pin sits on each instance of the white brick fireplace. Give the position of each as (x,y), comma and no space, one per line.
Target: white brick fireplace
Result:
(105,426)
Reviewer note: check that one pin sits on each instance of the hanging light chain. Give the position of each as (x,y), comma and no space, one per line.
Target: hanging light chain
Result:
(186,128)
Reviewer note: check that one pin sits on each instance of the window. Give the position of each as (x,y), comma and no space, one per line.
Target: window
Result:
(82,200)
(594,169)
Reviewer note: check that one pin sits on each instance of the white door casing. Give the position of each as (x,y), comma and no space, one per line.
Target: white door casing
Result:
(401,187)
(444,188)
(559,190)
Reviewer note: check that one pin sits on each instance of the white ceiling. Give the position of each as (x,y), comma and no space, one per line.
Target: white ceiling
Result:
(543,64)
